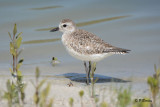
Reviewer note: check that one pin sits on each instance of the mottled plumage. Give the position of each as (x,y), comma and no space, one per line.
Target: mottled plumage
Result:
(85,42)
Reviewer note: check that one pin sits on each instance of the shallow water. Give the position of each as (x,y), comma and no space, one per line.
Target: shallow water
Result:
(139,32)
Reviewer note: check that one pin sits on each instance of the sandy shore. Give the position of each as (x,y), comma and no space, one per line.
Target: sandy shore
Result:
(61,91)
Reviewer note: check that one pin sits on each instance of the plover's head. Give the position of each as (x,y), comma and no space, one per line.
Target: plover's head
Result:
(65,26)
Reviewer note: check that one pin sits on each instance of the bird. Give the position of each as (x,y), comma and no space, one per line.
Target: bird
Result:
(84,45)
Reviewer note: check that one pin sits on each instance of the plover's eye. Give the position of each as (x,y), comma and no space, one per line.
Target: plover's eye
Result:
(64,25)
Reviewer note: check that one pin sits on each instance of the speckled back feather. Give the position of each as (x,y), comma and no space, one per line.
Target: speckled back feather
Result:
(87,43)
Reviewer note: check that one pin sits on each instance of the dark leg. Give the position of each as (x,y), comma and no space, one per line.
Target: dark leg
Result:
(89,69)
(86,69)
(94,70)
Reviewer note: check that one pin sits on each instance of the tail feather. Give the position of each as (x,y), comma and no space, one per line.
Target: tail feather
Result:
(117,50)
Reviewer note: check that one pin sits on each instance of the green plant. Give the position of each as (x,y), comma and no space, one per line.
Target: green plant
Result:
(71,100)
(81,93)
(93,69)
(11,94)
(43,97)
(153,82)
(103,104)
(15,52)
(96,101)
(15,89)
(40,96)
(124,97)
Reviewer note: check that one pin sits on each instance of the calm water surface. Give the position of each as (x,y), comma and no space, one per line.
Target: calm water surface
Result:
(139,31)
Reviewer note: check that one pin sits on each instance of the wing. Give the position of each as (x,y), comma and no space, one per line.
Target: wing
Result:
(87,43)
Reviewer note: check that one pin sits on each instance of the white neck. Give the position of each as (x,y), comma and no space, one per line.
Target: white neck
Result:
(69,31)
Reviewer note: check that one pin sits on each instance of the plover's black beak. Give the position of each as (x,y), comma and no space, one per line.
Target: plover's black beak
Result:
(55,29)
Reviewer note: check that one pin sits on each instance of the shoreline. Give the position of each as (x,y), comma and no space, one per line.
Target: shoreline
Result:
(61,92)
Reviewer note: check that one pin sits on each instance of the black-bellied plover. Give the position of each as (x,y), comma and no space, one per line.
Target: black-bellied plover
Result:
(84,45)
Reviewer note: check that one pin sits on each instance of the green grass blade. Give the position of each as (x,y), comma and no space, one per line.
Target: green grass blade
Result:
(10,35)
(41,41)
(18,42)
(99,21)
(47,7)
(15,29)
